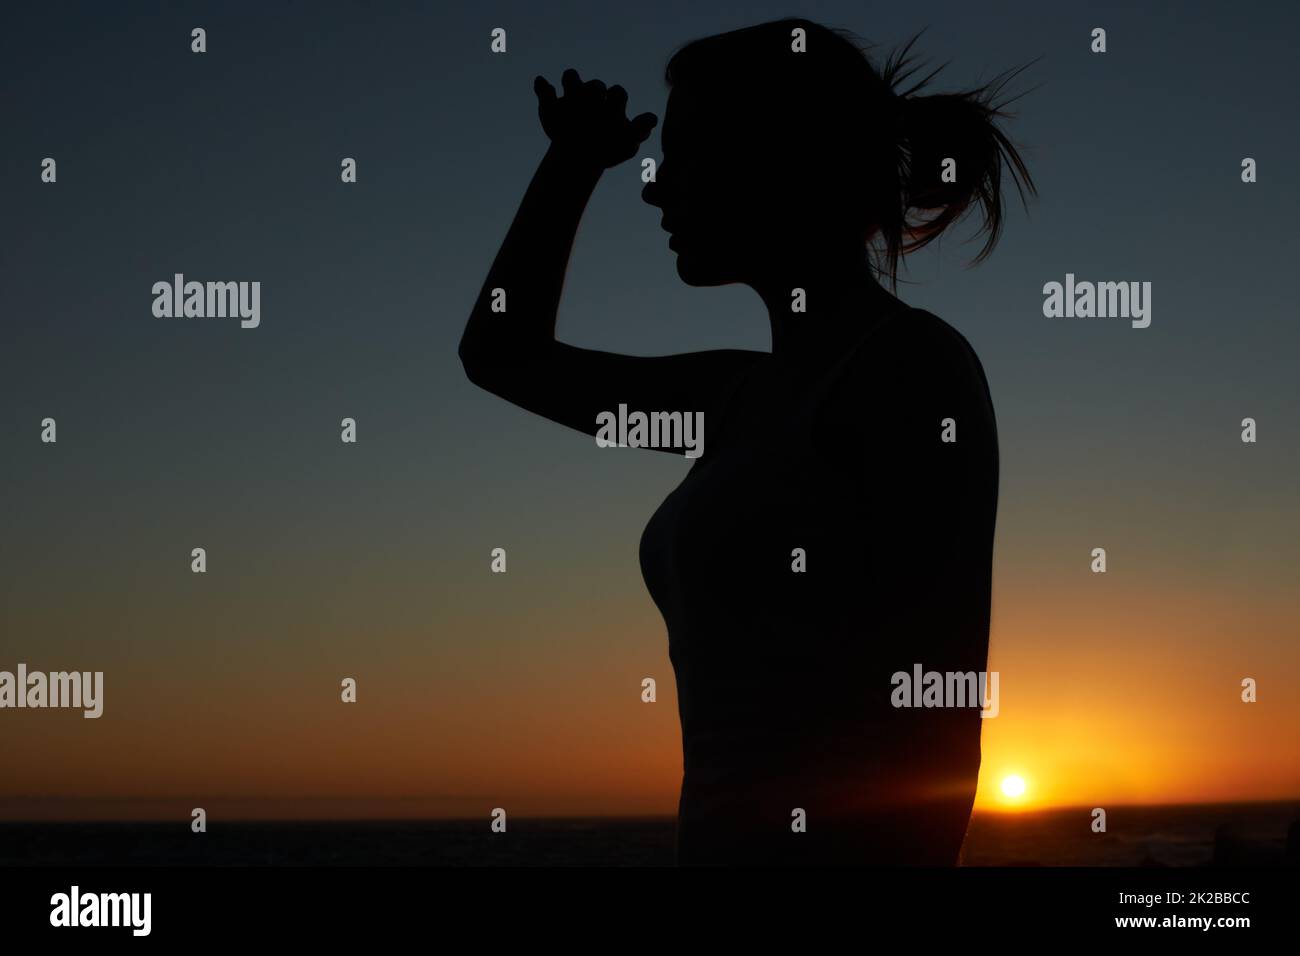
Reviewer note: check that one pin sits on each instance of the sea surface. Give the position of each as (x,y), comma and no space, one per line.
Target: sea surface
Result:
(1185,835)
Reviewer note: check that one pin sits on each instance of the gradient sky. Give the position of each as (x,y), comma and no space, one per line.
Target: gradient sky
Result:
(371,560)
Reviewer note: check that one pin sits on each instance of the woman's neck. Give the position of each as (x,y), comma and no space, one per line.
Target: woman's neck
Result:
(840,299)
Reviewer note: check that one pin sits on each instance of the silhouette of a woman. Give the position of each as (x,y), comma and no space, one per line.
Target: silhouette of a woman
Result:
(839,526)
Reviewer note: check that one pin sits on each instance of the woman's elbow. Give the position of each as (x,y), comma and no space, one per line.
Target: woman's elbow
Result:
(474,364)
(473,352)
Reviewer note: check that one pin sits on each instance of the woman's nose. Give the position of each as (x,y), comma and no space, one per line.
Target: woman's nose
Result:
(651,193)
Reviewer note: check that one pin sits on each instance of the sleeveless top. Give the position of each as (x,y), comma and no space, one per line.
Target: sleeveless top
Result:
(827,539)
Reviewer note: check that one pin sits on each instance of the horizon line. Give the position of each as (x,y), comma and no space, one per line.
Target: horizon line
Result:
(641,817)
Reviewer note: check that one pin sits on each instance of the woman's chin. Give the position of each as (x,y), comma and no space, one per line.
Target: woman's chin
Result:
(692,271)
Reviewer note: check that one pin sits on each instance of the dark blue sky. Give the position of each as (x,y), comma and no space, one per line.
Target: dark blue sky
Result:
(225,166)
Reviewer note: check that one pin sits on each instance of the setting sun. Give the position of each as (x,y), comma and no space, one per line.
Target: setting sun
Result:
(1013,786)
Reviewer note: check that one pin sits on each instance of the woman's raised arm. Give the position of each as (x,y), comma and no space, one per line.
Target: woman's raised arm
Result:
(509,345)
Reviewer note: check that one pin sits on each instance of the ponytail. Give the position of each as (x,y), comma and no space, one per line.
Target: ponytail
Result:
(951,158)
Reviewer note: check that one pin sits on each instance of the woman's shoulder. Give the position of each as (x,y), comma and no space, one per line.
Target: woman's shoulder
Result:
(919,331)
(913,371)
(912,383)
(914,348)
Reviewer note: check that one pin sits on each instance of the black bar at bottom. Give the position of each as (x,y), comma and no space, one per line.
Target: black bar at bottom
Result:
(983,905)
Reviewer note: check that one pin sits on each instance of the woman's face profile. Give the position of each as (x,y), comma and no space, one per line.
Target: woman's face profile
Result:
(738,189)
(706,188)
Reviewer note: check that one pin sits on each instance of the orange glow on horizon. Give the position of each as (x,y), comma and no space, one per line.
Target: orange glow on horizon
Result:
(552,724)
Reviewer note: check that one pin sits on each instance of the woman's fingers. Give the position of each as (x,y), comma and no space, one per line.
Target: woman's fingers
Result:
(643,124)
(545,92)
(591,117)
(573,85)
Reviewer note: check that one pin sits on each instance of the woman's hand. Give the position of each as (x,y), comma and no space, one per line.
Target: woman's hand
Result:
(589,123)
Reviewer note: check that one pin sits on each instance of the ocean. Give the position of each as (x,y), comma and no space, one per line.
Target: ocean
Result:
(1183,835)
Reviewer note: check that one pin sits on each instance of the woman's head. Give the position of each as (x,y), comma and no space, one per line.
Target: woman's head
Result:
(772,155)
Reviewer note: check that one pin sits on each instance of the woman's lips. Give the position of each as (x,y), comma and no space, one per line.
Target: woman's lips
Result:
(676,240)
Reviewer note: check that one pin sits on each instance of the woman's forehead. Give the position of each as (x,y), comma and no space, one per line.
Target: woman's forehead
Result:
(695,113)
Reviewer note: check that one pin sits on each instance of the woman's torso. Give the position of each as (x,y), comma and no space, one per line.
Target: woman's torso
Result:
(833,464)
